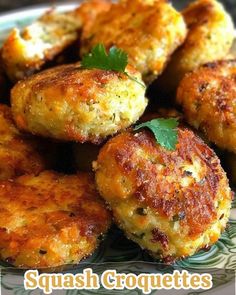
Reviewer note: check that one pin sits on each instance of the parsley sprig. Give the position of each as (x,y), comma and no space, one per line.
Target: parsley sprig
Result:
(115,60)
(164,130)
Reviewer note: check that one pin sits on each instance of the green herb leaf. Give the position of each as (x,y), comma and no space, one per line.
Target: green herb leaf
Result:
(115,60)
(164,131)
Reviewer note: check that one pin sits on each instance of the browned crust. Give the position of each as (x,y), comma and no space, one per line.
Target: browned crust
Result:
(65,88)
(207,96)
(19,154)
(161,190)
(73,75)
(53,209)
(210,37)
(89,10)
(141,28)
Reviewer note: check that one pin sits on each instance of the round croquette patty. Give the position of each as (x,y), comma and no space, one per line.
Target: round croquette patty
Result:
(208,99)
(172,203)
(50,220)
(75,104)
(19,154)
(149,31)
(210,37)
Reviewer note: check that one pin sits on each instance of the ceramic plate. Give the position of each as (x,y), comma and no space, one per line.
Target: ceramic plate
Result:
(116,252)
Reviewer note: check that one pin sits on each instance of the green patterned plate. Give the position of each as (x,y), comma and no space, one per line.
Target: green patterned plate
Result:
(116,252)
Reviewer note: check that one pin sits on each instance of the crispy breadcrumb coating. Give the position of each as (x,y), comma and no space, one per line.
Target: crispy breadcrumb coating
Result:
(75,104)
(149,31)
(27,51)
(172,203)
(208,99)
(19,154)
(89,10)
(210,37)
(50,220)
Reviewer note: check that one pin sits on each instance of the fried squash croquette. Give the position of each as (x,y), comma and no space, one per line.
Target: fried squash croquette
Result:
(26,52)
(208,99)
(75,104)
(89,10)
(210,37)
(19,154)
(172,203)
(50,220)
(149,31)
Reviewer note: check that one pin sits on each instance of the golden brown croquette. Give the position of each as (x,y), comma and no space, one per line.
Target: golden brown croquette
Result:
(19,154)
(208,99)
(50,220)
(210,37)
(172,203)
(149,31)
(75,104)
(25,52)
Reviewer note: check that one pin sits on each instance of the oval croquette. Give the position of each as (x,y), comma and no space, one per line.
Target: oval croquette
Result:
(149,31)
(208,99)
(89,10)
(75,104)
(210,37)
(29,50)
(50,220)
(19,154)
(172,203)
(25,52)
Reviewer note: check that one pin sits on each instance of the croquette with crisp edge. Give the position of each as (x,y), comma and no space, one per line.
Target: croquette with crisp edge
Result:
(50,220)
(149,31)
(76,104)
(172,203)
(26,52)
(19,154)
(208,100)
(210,37)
